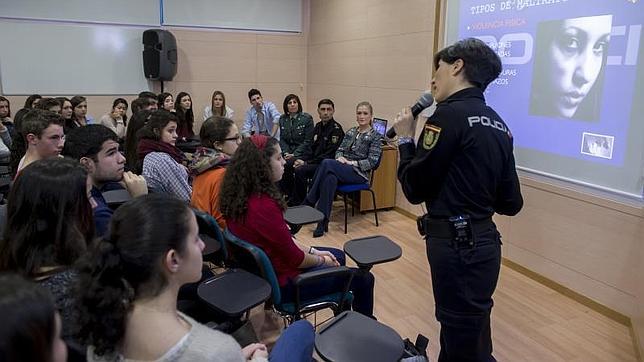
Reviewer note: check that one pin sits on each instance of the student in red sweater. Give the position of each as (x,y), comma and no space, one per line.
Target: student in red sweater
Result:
(253,208)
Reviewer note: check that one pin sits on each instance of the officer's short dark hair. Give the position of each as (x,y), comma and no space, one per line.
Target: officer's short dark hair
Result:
(326,101)
(482,65)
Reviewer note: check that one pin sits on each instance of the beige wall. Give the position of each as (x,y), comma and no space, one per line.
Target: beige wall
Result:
(586,243)
(638,316)
(374,50)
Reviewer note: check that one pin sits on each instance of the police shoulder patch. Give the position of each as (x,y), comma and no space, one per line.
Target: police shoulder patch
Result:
(430,136)
(334,139)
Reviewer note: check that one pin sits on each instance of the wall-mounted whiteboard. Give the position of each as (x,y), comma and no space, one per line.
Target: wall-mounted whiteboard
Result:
(133,12)
(269,15)
(68,59)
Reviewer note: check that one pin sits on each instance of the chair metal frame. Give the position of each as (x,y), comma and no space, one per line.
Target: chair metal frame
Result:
(253,259)
(352,189)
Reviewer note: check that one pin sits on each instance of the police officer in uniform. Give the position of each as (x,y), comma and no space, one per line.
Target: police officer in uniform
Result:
(327,136)
(462,168)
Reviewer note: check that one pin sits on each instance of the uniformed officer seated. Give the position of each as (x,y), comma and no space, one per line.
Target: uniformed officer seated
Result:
(325,140)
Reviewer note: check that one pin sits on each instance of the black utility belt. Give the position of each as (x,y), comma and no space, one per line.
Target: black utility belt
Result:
(462,229)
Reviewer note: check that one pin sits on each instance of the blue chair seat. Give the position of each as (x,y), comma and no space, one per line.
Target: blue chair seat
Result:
(348,188)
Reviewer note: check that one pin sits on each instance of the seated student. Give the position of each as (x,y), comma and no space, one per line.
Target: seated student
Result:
(129,286)
(138,120)
(5,142)
(116,120)
(66,111)
(49,225)
(80,117)
(147,94)
(39,136)
(31,326)
(143,104)
(219,139)
(358,154)
(97,149)
(152,97)
(163,163)
(185,117)
(30,103)
(327,136)
(262,117)
(49,104)
(166,102)
(218,107)
(5,114)
(253,208)
(296,135)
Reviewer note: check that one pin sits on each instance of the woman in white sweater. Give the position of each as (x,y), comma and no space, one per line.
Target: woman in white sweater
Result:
(218,107)
(116,120)
(129,286)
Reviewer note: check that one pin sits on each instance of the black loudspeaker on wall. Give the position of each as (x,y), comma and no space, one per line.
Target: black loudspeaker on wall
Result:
(159,55)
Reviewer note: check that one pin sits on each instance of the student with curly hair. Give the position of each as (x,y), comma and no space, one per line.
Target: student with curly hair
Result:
(253,207)
(128,293)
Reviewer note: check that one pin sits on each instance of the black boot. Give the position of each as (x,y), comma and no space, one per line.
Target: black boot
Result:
(321,228)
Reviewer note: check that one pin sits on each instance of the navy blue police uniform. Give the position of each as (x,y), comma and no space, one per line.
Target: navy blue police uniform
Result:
(463,169)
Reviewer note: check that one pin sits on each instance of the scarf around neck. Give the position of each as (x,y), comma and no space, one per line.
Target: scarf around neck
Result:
(147,146)
(205,159)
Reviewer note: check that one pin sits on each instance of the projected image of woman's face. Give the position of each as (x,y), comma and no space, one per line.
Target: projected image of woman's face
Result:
(577,51)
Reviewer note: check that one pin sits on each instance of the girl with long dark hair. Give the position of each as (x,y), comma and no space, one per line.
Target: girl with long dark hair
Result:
(49,226)
(185,116)
(129,286)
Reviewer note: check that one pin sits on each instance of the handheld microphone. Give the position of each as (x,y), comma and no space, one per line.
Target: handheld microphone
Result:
(425,101)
